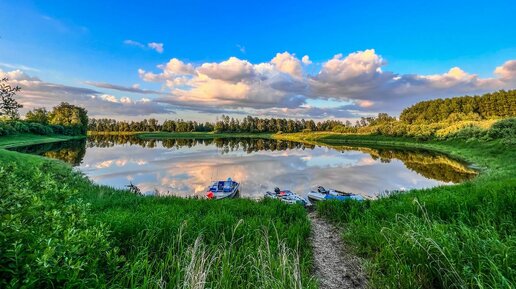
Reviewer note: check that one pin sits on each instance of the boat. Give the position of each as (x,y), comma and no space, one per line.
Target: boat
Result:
(223,189)
(288,197)
(322,194)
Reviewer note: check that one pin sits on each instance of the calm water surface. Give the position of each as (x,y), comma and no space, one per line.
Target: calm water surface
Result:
(185,167)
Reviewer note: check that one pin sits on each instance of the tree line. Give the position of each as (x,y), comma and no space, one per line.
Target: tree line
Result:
(225,123)
(423,120)
(64,119)
(498,104)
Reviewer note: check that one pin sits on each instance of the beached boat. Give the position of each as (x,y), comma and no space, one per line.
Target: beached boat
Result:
(322,194)
(288,197)
(223,189)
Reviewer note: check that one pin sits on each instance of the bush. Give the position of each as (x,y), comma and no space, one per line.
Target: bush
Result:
(9,127)
(57,129)
(47,240)
(20,127)
(6,129)
(37,128)
(503,129)
(469,133)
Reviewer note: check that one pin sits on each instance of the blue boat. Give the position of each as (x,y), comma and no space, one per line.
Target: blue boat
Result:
(322,194)
(223,189)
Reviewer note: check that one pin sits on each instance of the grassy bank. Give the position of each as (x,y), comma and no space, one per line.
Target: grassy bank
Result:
(461,236)
(61,230)
(30,139)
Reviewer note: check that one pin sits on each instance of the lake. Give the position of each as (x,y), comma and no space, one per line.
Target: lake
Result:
(185,167)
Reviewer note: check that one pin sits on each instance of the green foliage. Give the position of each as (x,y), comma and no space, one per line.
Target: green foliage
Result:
(46,238)
(73,119)
(38,128)
(15,127)
(61,230)
(224,125)
(39,115)
(498,104)
(504,129)
(8,105)
(461,236)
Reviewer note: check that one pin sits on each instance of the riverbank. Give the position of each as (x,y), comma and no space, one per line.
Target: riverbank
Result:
(460,236)
(31,139)
(453,236)
(69,232)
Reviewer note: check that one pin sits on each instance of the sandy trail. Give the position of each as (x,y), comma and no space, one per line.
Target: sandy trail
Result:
(334,265)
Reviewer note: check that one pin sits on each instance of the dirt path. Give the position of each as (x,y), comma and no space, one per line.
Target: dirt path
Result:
(334,265)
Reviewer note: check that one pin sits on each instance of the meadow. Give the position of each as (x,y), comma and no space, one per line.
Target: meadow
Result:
(61,230)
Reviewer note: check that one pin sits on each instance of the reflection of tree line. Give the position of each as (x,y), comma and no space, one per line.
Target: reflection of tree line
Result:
(430,165)
(71,152)
(226,145)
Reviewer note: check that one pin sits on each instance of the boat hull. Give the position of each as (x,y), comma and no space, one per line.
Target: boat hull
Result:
(289,198)
(317,197)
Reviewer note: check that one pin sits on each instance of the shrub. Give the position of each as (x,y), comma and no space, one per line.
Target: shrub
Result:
(37,128)
(471,132)
(6,128)
(20,127)
(47,240)
(503,129)
(58,129)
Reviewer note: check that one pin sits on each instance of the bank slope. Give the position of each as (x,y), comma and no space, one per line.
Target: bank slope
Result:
(61,230)
(460,236)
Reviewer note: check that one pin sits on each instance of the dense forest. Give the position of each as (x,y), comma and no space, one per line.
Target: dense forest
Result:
(498,104)
(224,124)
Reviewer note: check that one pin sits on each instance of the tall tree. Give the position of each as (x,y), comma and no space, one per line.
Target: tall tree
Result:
(8,105)
(39,115)
(72,117)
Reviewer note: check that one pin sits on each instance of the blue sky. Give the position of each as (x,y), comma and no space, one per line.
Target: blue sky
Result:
(71,43)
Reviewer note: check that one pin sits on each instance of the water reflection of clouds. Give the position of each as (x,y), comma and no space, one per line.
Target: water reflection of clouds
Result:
(188,171)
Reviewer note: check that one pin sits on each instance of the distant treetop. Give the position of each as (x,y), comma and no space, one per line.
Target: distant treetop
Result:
(498,104)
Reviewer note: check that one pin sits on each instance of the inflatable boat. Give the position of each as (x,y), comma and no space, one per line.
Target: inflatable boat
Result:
(322,194)
(288,197)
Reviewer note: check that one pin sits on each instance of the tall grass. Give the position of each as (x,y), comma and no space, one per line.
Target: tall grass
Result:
(61,230)
(461,236)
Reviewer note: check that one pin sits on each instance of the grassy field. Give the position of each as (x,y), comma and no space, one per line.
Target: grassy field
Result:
(61,230)
(29,139)
(461,236)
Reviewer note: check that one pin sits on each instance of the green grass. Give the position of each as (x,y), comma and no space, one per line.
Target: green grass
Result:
(30,139)
(61,230)
(461,236)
